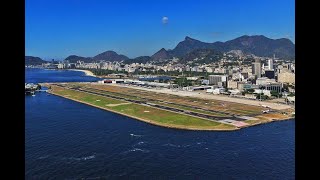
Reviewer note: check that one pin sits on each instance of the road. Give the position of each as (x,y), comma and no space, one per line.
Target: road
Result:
(210,96)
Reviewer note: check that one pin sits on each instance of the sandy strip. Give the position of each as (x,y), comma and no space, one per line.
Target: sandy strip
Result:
(87,72)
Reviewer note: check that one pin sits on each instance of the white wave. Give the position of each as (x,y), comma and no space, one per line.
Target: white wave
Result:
(139,143)
(199,143)
(135,135)
(88,157)
(171,145)
(43,157)
(83,158)
(176,145)
(136,150)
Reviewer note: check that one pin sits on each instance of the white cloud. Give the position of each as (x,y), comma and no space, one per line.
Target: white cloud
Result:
(165,20)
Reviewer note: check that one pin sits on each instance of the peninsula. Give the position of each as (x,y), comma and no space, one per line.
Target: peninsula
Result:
(180,110)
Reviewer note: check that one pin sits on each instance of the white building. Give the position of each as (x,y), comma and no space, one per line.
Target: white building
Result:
(232,84)
(264,80)
(218,90)
(270,64)
(265,92)
(234,91)
(209,69)
(291,99)
(60,66)
(192,78)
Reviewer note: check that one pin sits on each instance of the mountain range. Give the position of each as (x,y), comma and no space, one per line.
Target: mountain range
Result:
(107,56)
(202,56)
(110,56)
(189,48)
(75,58)
(31,60)
(258,45)
(140,59)
(161,55)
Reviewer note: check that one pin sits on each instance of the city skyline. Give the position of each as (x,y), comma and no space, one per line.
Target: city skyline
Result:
(58,29)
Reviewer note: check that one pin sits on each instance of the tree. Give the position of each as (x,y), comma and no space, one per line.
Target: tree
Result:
(275,94)
(291,94)
(250,90)
(262,96)
(183,82)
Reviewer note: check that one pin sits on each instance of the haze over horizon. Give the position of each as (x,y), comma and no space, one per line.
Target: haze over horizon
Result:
(57,29)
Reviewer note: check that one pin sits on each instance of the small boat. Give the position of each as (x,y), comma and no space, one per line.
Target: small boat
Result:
(33,95)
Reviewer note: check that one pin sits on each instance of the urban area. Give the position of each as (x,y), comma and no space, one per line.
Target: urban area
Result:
(246,76)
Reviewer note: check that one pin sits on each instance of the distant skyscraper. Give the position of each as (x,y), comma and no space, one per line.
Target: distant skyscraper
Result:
(256,68)
(270,64)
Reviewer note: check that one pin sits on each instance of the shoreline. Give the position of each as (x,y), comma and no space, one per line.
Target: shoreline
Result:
(87,72)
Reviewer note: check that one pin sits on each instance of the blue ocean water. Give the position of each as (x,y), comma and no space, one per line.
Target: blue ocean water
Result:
(69,140)
(34,75)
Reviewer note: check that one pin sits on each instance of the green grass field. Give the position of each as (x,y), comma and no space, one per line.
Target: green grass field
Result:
(164,104)
(164,117)
(153,115)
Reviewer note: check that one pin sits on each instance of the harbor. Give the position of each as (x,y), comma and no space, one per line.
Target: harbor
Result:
(31,88)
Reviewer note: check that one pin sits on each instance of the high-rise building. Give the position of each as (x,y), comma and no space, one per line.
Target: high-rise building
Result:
(214,79)
(289,66)
(270,64)
(256,68)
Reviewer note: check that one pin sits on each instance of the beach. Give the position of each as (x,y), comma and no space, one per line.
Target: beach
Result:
(87,72)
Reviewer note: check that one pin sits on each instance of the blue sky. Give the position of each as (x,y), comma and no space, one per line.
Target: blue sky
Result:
(58,28)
